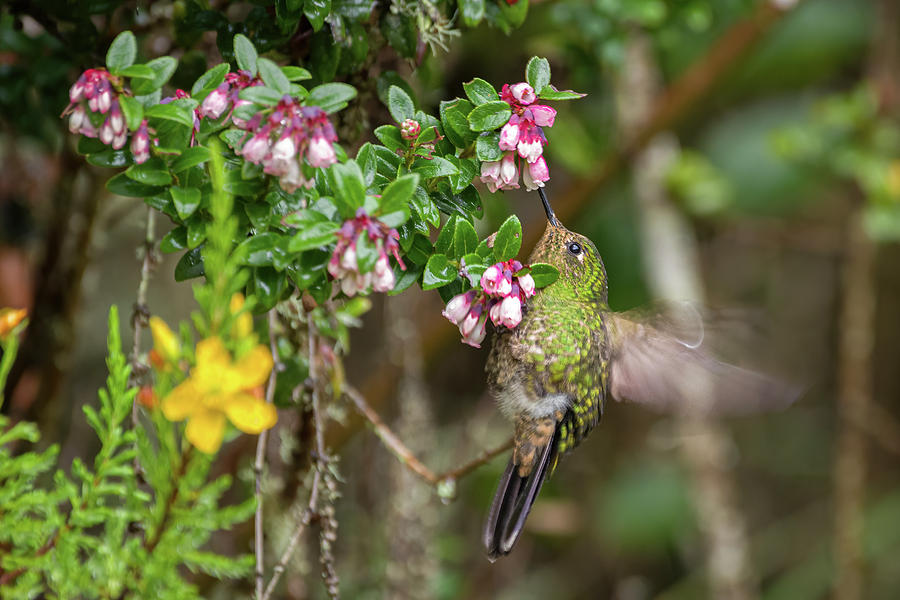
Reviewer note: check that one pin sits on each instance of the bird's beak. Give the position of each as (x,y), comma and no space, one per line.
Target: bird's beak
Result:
(548,209)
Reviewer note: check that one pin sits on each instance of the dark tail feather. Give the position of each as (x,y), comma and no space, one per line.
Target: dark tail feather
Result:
(513,500)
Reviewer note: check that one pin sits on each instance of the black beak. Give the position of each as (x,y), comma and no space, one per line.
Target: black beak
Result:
(548,209)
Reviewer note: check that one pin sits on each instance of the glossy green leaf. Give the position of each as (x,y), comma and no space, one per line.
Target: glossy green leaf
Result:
(509,239)
(192,156)
(425,208)
(489,116)
(316,11)
(186,200)
(480,92)
(132,111)
(314,235)
(171,112)
(152,172)
(389,135)
(331,97)
(465,240)
(163,68)
(209,81)
(444,242)
(397,195)
(174,241)
(455,122)
(435,167)
(366,253)
(438,272)
(349,186)
(245,54)
(261,95)
(400,105)
(267,285)
(272,76)
(190,265)
(110,158)
(537,73)
(543,274)
(122,52)
(258,250)
(487,147)
(472,11)
(551,93)
(137,72)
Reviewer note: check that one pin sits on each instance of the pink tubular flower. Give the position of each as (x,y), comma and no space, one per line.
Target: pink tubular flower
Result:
(510,311)
(523,93)
(344,264)
(536,174)
(256,148)
(215,103)
(490,174)
(543,116)
(509,172)
(140,143)
(530,145)
(509,134)
(473,326)
(458,307)
(320,153)
(526,284)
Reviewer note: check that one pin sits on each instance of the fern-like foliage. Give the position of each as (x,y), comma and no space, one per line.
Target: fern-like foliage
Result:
(101,530)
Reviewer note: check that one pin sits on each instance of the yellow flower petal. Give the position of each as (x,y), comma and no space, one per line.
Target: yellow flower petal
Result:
(182,402)
(243,325)
(9,318)
(254,367)
(164,340)
(213,373)
(250,414)
(205,430)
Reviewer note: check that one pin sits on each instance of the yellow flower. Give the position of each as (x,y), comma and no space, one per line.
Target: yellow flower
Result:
(9,318)
(165,342)
(243,326)
(218,387)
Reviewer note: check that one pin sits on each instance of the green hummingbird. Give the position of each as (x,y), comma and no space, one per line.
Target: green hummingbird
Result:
(552,374)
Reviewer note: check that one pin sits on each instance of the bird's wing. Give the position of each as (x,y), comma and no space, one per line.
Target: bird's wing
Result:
(663,359)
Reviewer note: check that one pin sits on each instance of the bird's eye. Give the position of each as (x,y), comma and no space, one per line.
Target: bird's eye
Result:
(574,248)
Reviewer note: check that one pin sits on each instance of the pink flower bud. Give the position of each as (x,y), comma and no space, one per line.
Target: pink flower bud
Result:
(320,152)
(510,311)
(119,140)
(256,148)
(334,264)
(509,135)
(215,103)
(526,283)
(410,129)
(93,103)
(76,92)
(77,119)
(349,286)
(543,115)
(530,146)
(523,93)
(348,260)
(509,172)
(293,178)
(116,120)
(491,278)
(536,174)
(104,101)
(494,313)
(490,174)
(458,307)
(473,327)
(384,276)
(106,132)
(284,148)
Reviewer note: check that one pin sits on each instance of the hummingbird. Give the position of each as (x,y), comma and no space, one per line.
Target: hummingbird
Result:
(553,373)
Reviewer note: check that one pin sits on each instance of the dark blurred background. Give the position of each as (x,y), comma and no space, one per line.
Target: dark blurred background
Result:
(755,142)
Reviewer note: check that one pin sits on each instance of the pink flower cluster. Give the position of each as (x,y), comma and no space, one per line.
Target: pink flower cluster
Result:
(344,265)
(521,137)
(225,97)
(93,92)
(501,297)
(281,138)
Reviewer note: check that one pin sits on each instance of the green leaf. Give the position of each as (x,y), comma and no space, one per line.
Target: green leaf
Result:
(171,112)
(489,116)
(366,253)
(349,186)
(331,97)
(472,11)
(174,241)
(425,208)
(487,147)
(435,167)
(316,11)
(122,52)
(444,242)
(272,76)
(259,250)
(296,73)
(186,200)
(508,240)
(543,274)
(190,265)
(110,158)
(245,54)
(209,81)
(438,272)
(465,240)
(389,135)
(132,111)
(396,197)
(152,172)
(551,93)
(456,125)
(267,286)
(138,72)
(537,73)
(475,267)
(260,94)
(480,92)
(405,279)
(368,162)
(163,68)
(400,105)
(401,33)
(314,235)
(192,156)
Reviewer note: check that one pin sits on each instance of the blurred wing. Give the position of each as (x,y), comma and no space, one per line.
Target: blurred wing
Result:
(662,358)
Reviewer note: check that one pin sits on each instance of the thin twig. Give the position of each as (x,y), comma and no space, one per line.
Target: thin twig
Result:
(260,463)
(406,456)
(139,317)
